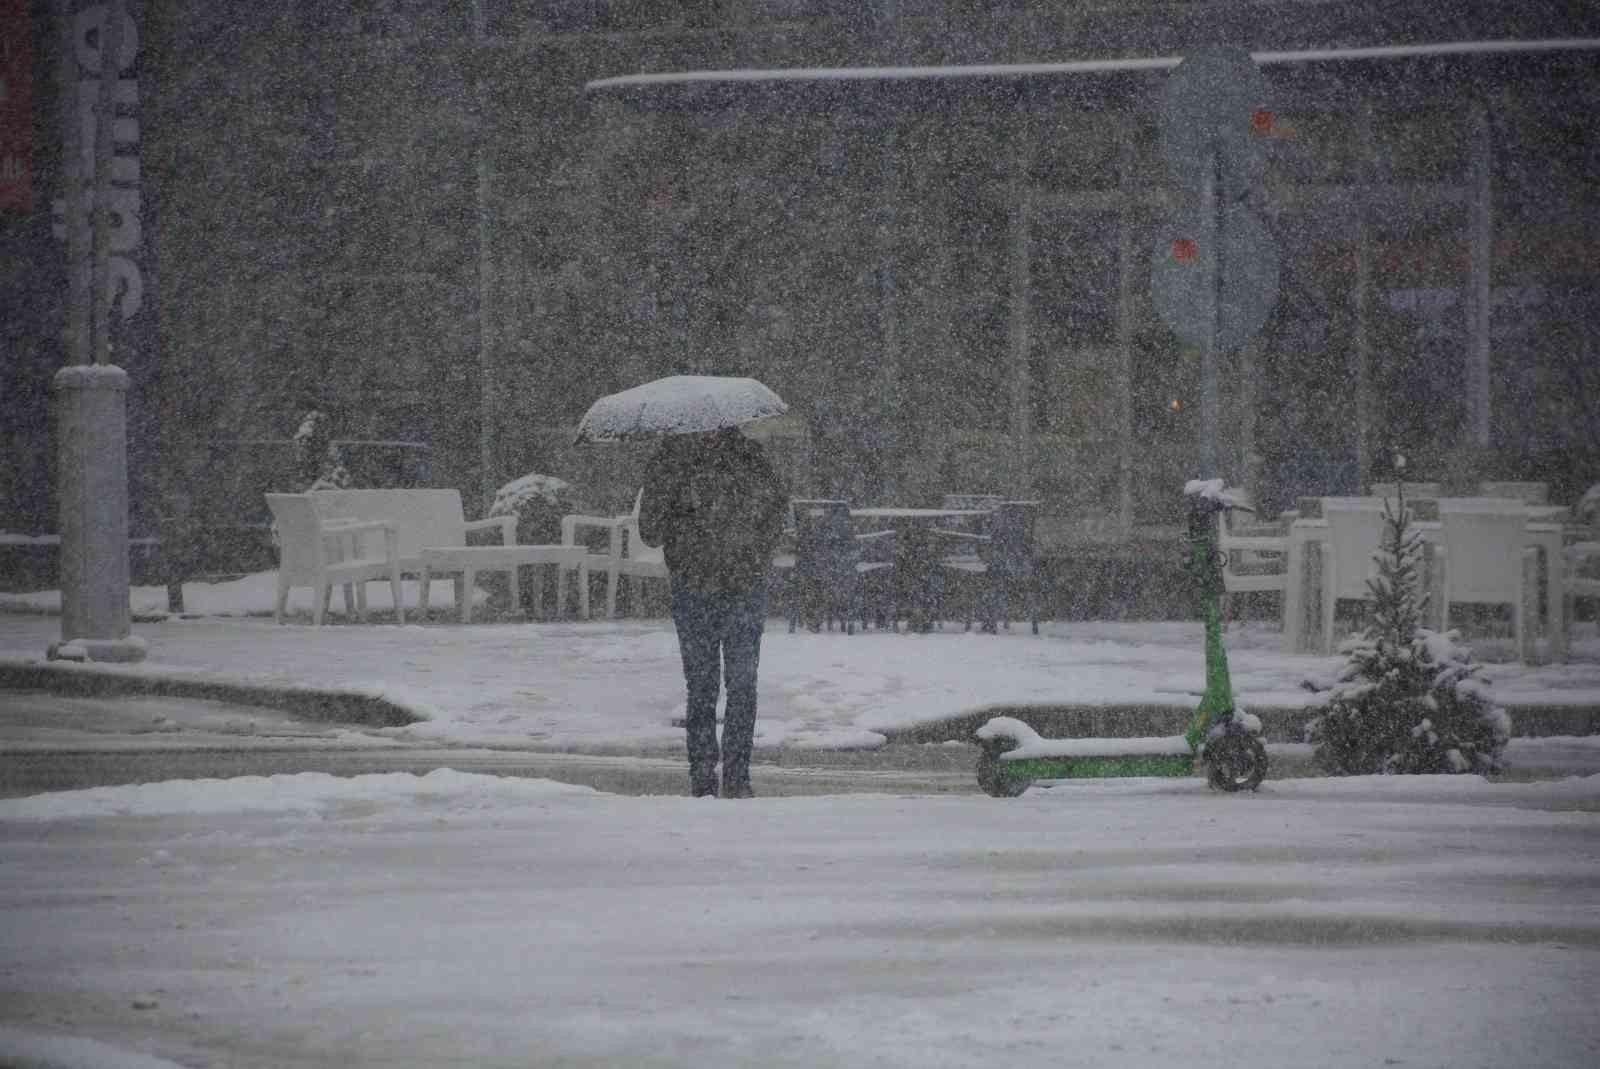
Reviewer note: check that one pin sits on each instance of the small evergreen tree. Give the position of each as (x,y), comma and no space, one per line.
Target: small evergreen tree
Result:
(1407,699)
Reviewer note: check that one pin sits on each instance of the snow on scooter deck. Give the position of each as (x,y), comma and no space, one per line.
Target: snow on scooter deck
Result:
(1031,744)
(1007,769)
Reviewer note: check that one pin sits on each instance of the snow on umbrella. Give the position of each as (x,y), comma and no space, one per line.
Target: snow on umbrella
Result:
(678,404)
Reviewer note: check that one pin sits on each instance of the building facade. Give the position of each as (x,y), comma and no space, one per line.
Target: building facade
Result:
(929,225)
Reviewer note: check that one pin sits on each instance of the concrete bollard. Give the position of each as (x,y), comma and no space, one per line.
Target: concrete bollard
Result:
(92,479)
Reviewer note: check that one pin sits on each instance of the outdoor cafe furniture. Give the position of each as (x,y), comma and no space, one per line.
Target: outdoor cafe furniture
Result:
(1583,552)
(432,535)
(1355,534)
(1529,493)
(1486,559)
(625,556)
(319,552)
(1583,576)
(467,561)
(1253,555)
(1309,534)
(1413,490)
(422,517)
(831,578)
(972,501)
(918,574)
(1003,564)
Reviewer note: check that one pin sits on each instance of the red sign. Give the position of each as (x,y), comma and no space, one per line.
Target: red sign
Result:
(16,107)
(1185,248)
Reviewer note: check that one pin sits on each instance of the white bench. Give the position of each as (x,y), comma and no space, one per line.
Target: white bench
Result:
(432,531)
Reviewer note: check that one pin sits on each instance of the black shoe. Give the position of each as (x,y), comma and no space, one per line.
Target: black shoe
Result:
(737,790)
(703,790)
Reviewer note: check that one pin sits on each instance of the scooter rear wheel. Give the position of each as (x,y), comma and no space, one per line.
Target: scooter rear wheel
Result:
(1236,762)
(992,776)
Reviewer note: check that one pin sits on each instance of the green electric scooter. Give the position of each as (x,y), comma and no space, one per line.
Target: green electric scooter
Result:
(1222,742)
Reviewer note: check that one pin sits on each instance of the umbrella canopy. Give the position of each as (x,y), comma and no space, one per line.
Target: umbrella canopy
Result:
(678,404)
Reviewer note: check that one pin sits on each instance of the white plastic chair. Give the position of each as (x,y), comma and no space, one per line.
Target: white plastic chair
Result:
(626,554)
(1583,557)
(1254,557)
(1527,493)
(1413,490)
(321,553)
(1583,576)
(1486,558)
(1355,534)
(637,560)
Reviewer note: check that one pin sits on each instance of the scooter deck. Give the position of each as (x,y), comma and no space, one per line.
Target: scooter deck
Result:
(1098,766)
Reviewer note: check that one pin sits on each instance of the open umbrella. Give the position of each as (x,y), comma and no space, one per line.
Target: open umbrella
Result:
(678,404)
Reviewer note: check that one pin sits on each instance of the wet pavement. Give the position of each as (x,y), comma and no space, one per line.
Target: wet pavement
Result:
(56,742)
(51,742)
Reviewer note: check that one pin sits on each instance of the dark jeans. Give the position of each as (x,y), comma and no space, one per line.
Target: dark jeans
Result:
(717,629)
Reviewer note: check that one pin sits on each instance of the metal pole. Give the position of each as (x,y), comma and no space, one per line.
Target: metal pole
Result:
(1021,282)
(487,385)
(1363,346)
(1125,284)
(75,331)
(105,119)
(889,401)
(1479,373)
(1211,262)
(1363,339)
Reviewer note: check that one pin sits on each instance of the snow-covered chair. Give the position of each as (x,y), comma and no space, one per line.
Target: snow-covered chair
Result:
(1583,557)
(638,560)
(1486,559)
(1254,556)
(626,554)
(1527,493)
(320,553)
(1583,576)
(1355,533)
(1413,490)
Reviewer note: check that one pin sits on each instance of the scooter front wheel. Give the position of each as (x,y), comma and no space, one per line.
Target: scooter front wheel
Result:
(1236,762)
(992,775)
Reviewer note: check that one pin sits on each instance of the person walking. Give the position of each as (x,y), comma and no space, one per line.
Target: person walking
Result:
(715,505)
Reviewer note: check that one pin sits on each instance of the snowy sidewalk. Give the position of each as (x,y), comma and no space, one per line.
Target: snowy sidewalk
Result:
(456,918)
(410,922)
(615,686)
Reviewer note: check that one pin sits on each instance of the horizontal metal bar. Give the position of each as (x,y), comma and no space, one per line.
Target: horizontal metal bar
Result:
(1087,66)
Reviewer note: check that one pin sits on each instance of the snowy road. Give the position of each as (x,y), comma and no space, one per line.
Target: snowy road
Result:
(466,920)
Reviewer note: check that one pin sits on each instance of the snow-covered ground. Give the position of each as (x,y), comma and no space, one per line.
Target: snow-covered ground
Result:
(616,686)
(464,920)
(456,919)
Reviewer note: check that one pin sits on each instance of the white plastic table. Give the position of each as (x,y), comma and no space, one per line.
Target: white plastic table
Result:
(1302,595)
(915,561)
(470,560)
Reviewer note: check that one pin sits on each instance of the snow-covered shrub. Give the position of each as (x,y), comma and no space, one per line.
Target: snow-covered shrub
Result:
(538,502)
(1407,699)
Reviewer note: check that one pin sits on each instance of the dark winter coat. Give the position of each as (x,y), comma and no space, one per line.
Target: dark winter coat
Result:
(716,509)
